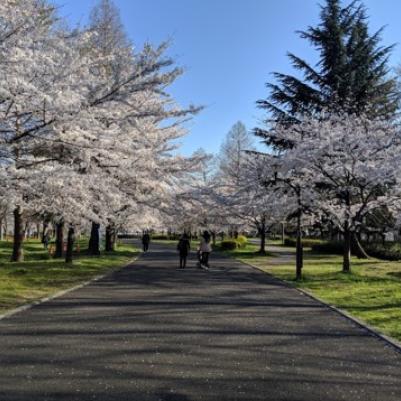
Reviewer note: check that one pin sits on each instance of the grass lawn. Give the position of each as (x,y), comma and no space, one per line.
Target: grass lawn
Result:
(372,292)
(39,275)
(250,252)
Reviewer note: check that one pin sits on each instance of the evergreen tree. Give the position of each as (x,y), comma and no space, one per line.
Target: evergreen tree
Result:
(232,156)
(351,74)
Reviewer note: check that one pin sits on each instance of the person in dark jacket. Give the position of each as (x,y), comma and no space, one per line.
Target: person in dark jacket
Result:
(183,248)
(145,241)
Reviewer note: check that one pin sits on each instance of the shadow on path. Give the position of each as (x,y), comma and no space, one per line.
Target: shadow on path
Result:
(152,332)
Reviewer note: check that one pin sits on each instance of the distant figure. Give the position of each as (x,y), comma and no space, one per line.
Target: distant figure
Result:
(204,249)
(145,241)
(46,240)
(183,248)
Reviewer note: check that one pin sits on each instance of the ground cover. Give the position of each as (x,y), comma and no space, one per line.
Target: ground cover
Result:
(371,292)
(39,275)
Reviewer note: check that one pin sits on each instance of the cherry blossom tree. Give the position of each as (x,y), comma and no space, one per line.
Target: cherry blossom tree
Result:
(351,164)
(89,113)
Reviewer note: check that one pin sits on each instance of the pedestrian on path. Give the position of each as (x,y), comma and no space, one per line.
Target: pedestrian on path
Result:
(204,249)
(145,241)
(183,248)
(46,239)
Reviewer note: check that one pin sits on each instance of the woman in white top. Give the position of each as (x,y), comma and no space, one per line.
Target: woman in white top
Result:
(204,249)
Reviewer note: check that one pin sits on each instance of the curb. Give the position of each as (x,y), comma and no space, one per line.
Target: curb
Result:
(389,341)
(59,294)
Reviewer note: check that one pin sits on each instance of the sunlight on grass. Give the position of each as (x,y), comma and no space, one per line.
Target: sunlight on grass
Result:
(371,292)
(32,279)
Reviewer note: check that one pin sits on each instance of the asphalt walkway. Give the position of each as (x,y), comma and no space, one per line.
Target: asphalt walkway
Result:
(152,332)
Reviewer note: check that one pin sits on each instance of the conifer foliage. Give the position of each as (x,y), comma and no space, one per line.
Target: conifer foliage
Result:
(352,73)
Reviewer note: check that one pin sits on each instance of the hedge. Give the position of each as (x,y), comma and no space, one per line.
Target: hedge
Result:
(306,242)
(332,247)
(160,237)
(229,245)
(385,252)
(242,241)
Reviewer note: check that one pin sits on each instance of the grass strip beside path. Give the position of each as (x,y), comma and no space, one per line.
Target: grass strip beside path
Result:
(40,276)
(371,292)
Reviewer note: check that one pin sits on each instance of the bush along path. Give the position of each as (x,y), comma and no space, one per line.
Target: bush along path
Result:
(371,292)
(155,332)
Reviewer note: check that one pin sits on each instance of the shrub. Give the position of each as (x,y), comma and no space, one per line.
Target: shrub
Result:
(126,236)
(306,242)
(242,241)
(386,252)
(160,237)
(332,247)
(229,245)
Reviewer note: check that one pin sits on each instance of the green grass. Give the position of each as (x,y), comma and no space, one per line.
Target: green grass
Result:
(40,276)
(371,292)
(248,252)
(276,242)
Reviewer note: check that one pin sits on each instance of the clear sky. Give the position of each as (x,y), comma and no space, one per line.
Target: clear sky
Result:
(229,49)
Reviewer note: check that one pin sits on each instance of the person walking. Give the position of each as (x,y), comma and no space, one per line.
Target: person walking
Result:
(204,249)
(46,239)
(183,248)
(145,241)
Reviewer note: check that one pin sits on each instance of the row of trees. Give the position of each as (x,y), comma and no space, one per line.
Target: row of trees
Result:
(333,138)
(87,129)
(87,135)
(335,131)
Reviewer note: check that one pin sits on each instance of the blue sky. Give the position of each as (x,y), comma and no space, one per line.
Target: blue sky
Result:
(229,49)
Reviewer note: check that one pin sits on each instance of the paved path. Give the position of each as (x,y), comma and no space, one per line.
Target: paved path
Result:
(151,332)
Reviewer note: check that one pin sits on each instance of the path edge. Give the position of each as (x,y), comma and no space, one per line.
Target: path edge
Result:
(59,294)
(389,341)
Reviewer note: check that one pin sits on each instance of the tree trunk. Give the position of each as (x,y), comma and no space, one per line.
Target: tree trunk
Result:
(383,237)
(262,232)
(59,240)
(17,255)
(27,230)
(214,238)
(347,239)
(1,230)
(70,244)
(347,249)
(44,229)
(94,240)
(282,232)
(110,238)
(357,248)
(299,251)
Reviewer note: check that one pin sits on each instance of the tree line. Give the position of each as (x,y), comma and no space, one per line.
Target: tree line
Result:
(87,128)
(332,136)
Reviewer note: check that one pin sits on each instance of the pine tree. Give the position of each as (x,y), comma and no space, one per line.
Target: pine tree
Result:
(351,74)
(232,156)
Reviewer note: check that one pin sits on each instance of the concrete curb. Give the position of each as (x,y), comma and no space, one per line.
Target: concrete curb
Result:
(391,342)
(59,294)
